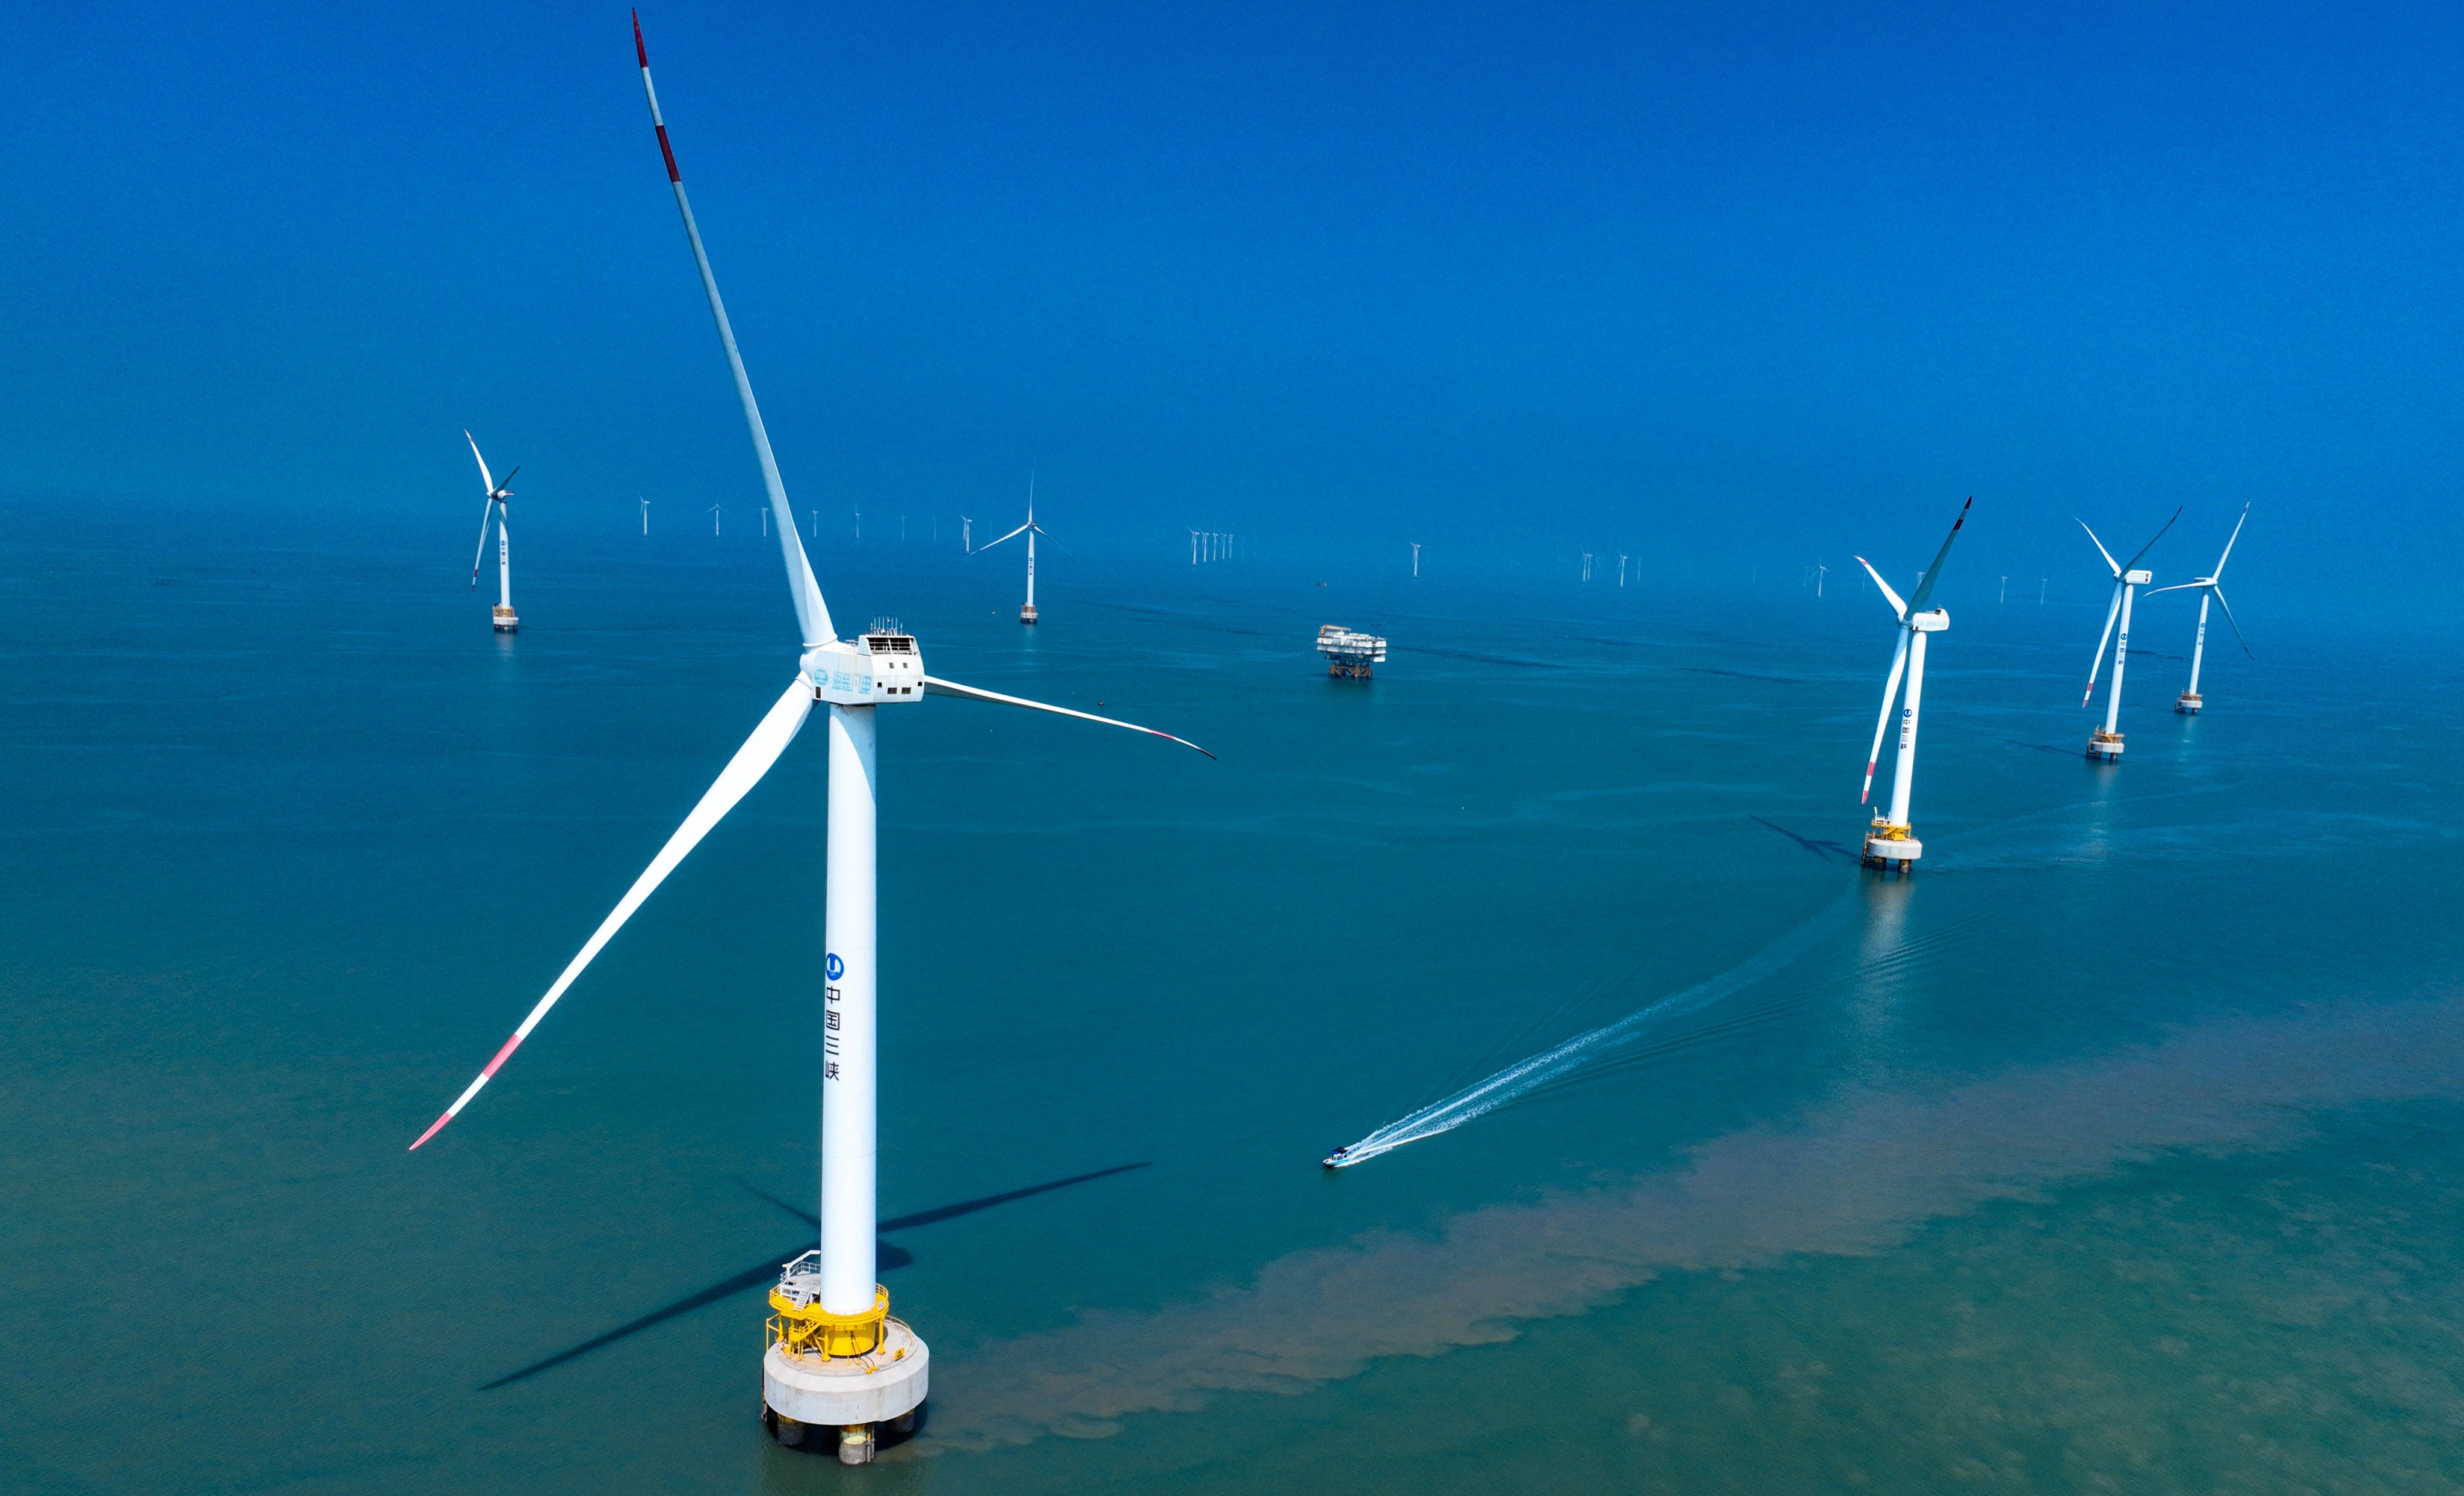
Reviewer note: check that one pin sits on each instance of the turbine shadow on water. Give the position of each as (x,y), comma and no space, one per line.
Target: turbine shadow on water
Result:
(766,1270)
(1826,850)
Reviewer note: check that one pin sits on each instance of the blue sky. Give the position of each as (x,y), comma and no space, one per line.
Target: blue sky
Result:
(1739,282)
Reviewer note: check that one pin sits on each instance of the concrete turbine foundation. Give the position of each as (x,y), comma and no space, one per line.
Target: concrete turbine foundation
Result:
(851,1397)
(1888,847)
(846,1373)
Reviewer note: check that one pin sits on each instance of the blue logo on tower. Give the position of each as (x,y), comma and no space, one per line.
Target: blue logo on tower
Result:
(834,966)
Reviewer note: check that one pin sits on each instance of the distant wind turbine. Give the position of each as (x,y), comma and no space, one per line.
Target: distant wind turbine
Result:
(2190,702)
(2105,742)
(494,505)
(1889,838)
(1030,529)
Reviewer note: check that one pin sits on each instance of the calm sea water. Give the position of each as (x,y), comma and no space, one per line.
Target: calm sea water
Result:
(2116,1150)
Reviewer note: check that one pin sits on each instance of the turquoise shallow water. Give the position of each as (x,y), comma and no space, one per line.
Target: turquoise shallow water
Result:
(2112,1152)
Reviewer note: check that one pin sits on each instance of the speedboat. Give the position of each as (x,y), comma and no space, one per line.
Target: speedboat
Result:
(1337,1158)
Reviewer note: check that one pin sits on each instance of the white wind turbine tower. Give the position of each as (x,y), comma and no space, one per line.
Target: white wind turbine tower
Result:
(1416,558)
(494,506)
(967,534)
(714,518)
(2105,742)
(1889,840)
(646,515)
(1030,529)
(834,1356)
(2189,703)
(1621,560)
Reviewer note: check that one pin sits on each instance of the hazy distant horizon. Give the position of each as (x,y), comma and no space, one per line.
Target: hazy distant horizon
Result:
(1743,290)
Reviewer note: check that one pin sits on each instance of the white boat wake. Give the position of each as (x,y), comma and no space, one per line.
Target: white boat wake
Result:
(1527,1075)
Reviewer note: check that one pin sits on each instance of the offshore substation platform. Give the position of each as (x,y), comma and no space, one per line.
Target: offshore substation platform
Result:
(1348,654)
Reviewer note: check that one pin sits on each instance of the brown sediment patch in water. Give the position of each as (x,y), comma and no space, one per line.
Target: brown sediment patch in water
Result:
(1854,1175)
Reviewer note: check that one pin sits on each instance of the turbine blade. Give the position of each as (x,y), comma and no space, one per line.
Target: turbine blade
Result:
(2219,593)
(776,729)
(2100,547)
(2177,586)
(2229,542)
(2111,613)
(1012,535)
(487,512)
(1924,588)
(483,462)
(1882,723)
(812,614)
(2153,538)
(1899,609)
(951,688)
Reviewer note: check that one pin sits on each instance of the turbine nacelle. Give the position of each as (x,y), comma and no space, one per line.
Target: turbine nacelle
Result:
(2139,577)
(1930,622)
(882,668)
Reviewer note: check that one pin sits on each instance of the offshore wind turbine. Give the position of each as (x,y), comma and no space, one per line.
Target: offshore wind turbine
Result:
(2189,703)
(1889,838)
(2105,742)
(833,1357)
(1030,529)
(714,518)
(967,534)
(646,515)
(494,506)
